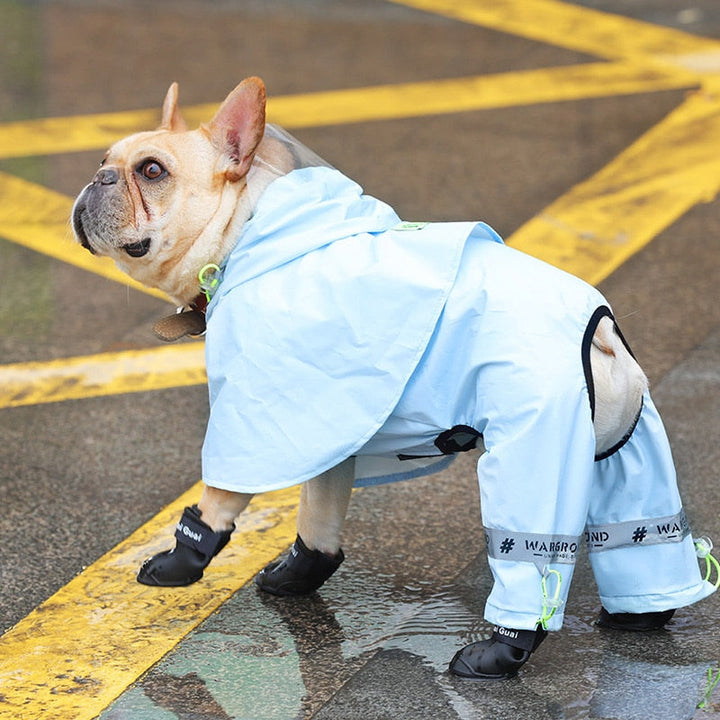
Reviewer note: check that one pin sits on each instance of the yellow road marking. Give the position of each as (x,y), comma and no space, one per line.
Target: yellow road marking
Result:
(588,232)
(96,132)
(584,30)
(71,657)
(600,223)
(78,682)
(483,92)
(103,374)
(38,218)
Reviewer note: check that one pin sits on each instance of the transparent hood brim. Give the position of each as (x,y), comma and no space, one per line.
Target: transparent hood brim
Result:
(302,155)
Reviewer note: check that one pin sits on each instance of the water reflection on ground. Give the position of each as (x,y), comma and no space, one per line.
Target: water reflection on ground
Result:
(343,652)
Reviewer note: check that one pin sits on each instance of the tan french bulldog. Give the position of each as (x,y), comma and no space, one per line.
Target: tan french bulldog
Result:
(166,203)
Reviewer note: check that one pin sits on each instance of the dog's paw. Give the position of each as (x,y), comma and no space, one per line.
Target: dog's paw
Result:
(634,622)
(498,658)
(303,571)
(173,568)
(488,660)
(197,544)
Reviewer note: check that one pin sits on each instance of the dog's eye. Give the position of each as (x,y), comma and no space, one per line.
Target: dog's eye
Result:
(152,170)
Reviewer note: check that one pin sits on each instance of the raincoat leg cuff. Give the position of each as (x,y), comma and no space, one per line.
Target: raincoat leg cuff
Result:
(658,602)
(521,620)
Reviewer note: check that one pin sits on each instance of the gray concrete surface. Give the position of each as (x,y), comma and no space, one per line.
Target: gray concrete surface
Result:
(77,477)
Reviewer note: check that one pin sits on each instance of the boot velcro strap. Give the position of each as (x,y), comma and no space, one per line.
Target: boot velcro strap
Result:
(523,639)
(194,533)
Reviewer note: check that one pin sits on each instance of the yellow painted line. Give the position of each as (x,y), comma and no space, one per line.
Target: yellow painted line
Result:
(582,29)
(73,655)
(96,132)
(39,218)
(32,383)
(589,232)
(483,92)
(74,133)
(595,227)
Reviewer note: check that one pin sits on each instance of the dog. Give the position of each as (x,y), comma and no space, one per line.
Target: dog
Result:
(338,333)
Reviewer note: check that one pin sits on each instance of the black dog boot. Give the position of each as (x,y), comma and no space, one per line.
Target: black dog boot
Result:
(634,622)
(197,544)
(498,658)
(303,571)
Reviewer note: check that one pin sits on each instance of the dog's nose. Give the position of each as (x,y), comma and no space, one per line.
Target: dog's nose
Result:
(106,176)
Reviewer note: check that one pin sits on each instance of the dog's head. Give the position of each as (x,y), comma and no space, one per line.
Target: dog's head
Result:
(165,203)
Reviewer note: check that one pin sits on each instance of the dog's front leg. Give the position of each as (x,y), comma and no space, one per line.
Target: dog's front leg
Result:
(316,553)
(323,505)
(203,531)
(219,508)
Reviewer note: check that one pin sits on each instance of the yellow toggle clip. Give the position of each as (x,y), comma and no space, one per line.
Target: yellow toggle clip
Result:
(550,604)
(703,548)
(209,279)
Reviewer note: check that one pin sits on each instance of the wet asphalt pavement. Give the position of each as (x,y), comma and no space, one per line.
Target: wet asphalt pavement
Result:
(78,477)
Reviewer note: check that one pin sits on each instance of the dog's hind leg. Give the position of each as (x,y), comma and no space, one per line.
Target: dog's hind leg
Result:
(619,384)
(316,553)
(639,541)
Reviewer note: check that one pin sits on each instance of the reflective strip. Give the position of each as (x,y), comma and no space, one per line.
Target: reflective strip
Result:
(531,547)
(652,531)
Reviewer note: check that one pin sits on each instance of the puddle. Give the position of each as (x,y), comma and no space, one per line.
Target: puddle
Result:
(348,644)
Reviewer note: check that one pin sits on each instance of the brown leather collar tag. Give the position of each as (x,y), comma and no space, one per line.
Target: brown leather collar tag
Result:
(174,327)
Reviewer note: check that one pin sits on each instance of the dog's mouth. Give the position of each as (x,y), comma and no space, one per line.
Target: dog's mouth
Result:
(138,249)
(134,250)
(77,224)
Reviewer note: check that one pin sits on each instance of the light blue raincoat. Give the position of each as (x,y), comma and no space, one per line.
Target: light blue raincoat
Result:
(337,330)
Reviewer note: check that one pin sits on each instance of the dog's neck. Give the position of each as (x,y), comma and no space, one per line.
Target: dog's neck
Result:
(237,205)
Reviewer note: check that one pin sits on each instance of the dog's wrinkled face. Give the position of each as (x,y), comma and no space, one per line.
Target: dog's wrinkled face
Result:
(163,202)
(151,199)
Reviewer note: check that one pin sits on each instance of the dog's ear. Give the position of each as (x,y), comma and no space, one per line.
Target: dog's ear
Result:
(171,118)
(238,127)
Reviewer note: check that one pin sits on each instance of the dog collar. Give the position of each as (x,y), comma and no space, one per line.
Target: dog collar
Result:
(191,320)
(199,303)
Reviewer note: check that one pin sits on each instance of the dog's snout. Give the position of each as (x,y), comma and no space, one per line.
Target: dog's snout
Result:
(106,176)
